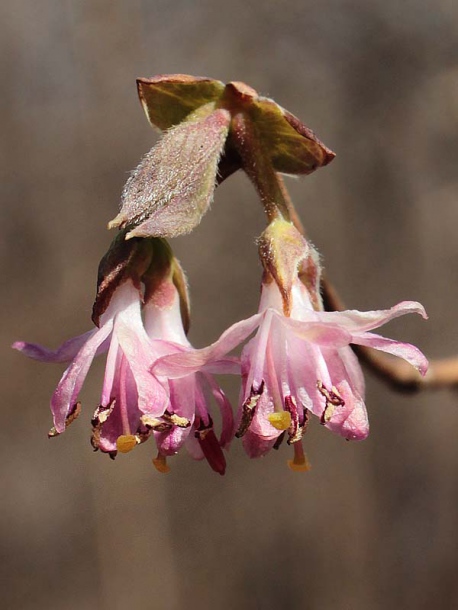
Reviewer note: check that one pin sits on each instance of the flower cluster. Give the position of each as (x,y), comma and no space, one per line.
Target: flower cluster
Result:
(299,359)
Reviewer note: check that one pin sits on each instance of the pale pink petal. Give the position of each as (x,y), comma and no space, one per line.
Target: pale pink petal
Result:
(193,447)
(66,352)
(318,332)
(66,393)
(111,370)
(170,442)
(254,356)
(225,366)
(140,354)
(408,352)
(360,321)
(353,369)
(349,420)
(255,445)
(307,367)
(227,418)
(184,363)
(260,424)
(182,401)
(163,317)
(125,417)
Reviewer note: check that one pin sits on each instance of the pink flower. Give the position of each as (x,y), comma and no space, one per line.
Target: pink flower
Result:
(135,403)
(187,419)
(129,390)
(300,364)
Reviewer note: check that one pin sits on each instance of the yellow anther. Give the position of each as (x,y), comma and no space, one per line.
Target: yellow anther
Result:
(125,443)
(150,421)
(328,412)
(281,420)
(160,463)
(181,422)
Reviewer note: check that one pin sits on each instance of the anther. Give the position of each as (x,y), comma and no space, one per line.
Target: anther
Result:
(101,414)
(295,429)
(333,400)
(74,414)
(248,409)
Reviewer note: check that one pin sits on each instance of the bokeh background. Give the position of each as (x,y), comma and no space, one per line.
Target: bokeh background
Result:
(373,525)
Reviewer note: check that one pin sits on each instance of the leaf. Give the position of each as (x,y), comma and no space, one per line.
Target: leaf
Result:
(292,147)
(168,99)
(173,185)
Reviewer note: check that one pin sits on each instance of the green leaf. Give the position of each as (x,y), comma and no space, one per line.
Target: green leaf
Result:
(173,185)
(168,99)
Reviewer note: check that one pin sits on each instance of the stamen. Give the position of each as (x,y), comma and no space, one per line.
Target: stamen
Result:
(126,442)
(154,423)
(74,414)
(248,410)
(160,463)
(211,448)
(176,420)
(165,422)
(305,422)
(295,430)
(142,435)
(101,414)
(333,400)
(281,420)
(299,463)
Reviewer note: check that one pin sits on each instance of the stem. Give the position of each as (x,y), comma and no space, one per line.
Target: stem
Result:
(259,168)
(277,203)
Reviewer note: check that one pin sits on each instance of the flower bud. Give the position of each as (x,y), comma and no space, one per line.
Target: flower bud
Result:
(124,260)
(281,249)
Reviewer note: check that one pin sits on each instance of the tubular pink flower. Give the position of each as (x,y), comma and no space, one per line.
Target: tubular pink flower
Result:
(298,364)
(129,390)
(187,419)
(134,402)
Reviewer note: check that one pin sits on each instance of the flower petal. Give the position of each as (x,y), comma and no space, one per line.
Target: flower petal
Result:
(112,362)
(318,332)
(225,366)
(256,446)
(354,373)
(182,401)
(360,321)
(408,352)
(349,420)
(66,352)
(227,418)
(178,365)
(140,354)
(72,380)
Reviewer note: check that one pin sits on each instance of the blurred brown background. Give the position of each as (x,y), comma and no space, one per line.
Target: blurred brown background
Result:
(373,525)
